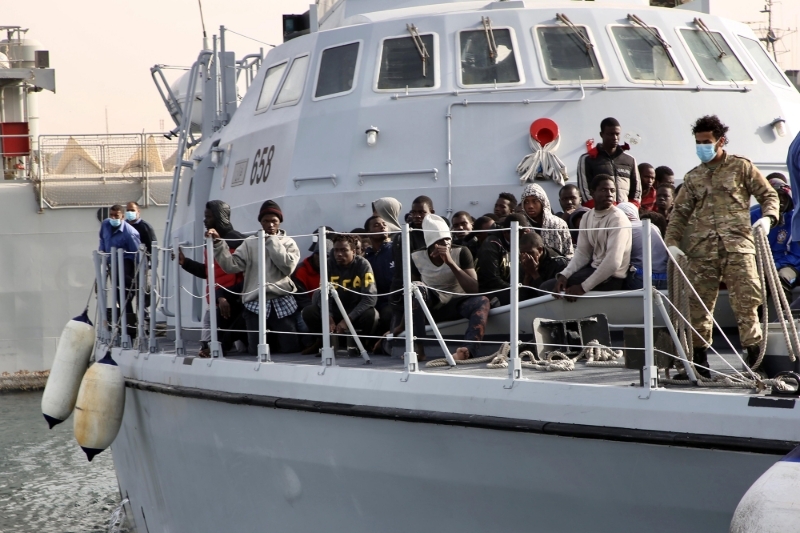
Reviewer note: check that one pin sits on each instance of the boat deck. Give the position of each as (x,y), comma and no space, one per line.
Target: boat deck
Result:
(613,376)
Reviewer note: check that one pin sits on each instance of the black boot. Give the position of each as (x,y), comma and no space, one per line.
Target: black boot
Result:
(752,355)
(701,358)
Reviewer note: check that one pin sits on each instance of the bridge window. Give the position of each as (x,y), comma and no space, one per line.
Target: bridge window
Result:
(271,80)
(292,88)
(487,57)
(337,70)
(714,57)
(568,54)
(645,55)
(764,62)
(407,62)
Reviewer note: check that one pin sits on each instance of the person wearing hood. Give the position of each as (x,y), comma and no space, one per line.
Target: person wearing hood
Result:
(282,257)
(553,230)
(658,252)
(603,256)
(785,251)
(389,210)
(217,216)
(448,283)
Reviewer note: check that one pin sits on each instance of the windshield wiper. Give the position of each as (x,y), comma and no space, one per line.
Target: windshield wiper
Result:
(651,30)
(487,28)
(561,17)
(702,25)
(423,52)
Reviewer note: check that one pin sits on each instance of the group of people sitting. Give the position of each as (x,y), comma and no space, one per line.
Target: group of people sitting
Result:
(461,267)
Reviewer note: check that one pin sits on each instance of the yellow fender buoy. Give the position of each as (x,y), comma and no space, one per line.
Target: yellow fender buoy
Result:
(70,363)
(101,402)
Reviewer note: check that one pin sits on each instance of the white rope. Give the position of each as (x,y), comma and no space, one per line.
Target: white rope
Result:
(544,161)
(595,354)
(503,351)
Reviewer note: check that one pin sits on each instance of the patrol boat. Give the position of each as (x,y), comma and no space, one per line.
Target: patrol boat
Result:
(367,99)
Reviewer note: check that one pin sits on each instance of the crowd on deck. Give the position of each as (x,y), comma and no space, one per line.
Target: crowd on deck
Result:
(462,266)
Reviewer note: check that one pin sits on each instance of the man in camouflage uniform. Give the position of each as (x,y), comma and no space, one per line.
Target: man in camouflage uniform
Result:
(715,199)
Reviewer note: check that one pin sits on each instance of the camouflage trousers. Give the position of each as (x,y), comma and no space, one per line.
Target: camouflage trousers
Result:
(740,274)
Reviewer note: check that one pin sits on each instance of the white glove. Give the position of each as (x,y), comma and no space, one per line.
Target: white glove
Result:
(765,223)
(675,251)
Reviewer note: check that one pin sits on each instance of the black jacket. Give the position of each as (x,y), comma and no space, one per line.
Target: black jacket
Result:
(550,264)
(620,165)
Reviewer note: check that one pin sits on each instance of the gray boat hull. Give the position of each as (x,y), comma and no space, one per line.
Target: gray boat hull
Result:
(190,464)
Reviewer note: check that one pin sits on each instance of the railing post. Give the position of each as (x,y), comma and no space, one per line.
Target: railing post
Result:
(263,347)
(176,293)
(99,272)
(410,356)
(514,363)
(152,344)
(328,356)
(214,346)
(650,370)
(142,295)
(114,297)
(125,339)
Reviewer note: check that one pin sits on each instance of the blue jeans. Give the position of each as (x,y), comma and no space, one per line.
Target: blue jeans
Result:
(635,281)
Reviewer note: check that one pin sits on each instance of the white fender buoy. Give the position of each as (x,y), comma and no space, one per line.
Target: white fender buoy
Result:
(772,503)
(72,358)
(98,411)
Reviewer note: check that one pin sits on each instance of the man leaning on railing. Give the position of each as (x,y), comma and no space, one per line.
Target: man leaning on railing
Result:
(282,256)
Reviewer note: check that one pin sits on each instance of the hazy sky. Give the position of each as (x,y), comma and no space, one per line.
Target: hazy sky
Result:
(102,50)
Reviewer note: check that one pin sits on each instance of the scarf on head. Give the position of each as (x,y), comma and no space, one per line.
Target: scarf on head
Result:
(389,210)
(556,235)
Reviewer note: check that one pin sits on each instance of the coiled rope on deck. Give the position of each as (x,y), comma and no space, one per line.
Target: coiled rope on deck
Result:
(595,354)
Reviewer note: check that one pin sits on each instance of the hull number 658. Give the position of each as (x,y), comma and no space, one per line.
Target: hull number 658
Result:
(262,164)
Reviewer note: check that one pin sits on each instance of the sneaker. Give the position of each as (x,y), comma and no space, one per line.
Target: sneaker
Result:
(204,353)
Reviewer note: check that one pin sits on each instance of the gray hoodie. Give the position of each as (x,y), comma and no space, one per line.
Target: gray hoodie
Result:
(282,255)
(389,210)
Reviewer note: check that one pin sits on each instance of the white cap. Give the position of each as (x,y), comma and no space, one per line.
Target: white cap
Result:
(435,229)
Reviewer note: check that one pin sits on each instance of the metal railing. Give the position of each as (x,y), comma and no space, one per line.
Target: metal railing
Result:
(101,170)
(118,328)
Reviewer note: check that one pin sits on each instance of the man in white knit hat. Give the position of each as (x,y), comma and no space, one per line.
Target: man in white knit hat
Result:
(446,277)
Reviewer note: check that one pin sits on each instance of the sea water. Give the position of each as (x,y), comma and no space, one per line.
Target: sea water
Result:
(46,483)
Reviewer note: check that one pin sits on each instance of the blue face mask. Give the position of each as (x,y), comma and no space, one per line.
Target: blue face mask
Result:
(115,222)
(130,215)
(706,152)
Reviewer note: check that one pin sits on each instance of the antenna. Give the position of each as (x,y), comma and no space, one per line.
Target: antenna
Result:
(203,24)
(106,121)
(771,34)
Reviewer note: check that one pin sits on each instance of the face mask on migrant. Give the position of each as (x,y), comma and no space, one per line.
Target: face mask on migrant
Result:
(706,152)
(130,215)
(115,222)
